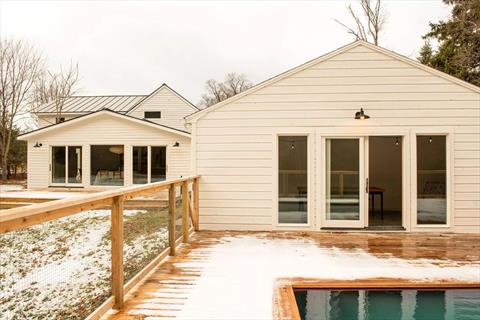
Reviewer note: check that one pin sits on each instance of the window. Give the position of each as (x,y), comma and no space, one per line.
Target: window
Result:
(292,179)
(431,180)
(66,164)
(59,119)
(106,165)
(149,164)
(152,114)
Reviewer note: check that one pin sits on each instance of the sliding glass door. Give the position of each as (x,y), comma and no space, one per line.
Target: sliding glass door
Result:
(149,164)
(344,183)
(66,165)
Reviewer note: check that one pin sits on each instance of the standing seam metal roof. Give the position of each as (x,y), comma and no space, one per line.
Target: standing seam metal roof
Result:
(83,104)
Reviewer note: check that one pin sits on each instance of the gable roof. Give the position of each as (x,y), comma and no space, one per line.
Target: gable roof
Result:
(394,55)
(83,104)
(94,114)
(164,86)
(118,103)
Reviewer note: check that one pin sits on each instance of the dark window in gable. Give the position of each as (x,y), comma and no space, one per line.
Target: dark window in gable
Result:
(152,114)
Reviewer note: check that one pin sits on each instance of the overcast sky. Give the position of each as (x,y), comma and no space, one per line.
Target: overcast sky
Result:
(131,47)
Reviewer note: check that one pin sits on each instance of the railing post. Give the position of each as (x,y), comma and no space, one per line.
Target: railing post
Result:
(117,251)
(171,218)
(196,203)
(185,210)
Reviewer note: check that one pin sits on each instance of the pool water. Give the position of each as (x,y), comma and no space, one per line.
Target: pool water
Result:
(317,304)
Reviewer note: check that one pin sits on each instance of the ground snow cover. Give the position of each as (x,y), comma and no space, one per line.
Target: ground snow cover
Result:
(61,269)
(239,277)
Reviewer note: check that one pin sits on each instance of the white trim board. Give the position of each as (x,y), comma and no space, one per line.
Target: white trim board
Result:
(67,123)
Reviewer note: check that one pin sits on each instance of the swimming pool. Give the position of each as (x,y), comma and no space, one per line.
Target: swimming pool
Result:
(321,304)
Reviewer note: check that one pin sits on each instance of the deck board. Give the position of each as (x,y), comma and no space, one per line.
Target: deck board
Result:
(166,291)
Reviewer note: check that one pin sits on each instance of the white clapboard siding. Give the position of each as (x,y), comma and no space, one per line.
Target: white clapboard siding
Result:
(106,129)
(234,149)
(173,108)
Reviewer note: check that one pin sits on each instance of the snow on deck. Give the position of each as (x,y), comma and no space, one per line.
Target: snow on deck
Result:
(233,276)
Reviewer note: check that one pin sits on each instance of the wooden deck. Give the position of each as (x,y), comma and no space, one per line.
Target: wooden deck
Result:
(174,285)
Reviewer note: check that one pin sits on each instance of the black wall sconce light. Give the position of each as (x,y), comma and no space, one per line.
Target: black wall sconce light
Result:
(360,115)
(37,145)
(176,144)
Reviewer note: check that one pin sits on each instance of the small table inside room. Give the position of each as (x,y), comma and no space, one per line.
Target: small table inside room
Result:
(372,192)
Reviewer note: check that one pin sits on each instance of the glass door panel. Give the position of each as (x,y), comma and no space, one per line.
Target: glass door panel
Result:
(140,165)
(58,165)
(293,179)
(344,196)
(158,167)
(431,180)
(74,164)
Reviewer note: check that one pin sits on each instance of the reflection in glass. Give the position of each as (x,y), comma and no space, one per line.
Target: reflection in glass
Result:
(158,164)
(343,180)
(106,165)
(140,165)
(58,164)
(431,180)
(292,179)
(74,164)
(430,305)
(389,300)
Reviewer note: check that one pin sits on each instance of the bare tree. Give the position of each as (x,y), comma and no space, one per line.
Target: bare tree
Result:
(233,84)
(20,66)
(369,23)
(56,87)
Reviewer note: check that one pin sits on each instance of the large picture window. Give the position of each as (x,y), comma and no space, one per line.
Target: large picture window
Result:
(292,179)
(431,180)
(106,165)
(149,164)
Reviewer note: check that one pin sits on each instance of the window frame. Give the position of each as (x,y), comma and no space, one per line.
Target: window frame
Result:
(149,162)
(310,135)
(449,147)
(152,112)
(66,183)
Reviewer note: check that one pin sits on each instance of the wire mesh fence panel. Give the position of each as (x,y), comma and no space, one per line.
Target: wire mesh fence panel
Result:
(190,205)
(178,212)
(145,231)
(58,269)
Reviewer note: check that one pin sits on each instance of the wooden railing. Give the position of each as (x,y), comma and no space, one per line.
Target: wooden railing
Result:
(22,217)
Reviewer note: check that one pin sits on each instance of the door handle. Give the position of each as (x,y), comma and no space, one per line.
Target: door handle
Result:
(366,186)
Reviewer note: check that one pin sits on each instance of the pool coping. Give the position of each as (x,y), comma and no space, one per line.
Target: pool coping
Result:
(285,305)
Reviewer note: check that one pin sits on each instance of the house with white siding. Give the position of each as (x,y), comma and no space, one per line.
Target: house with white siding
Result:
(361,137)
(110,141)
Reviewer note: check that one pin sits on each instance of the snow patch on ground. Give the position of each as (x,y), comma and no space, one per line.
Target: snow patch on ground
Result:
(61,269)
(240,273)
(17,193)
(10,187)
